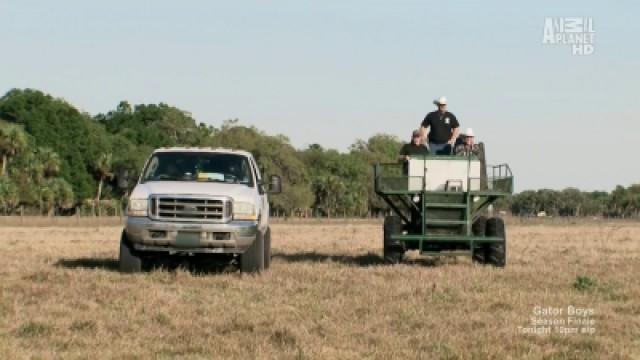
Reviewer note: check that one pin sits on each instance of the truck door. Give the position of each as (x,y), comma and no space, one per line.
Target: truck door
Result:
(264,203)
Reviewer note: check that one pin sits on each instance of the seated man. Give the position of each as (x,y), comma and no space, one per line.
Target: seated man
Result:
(467,146)
(415,147)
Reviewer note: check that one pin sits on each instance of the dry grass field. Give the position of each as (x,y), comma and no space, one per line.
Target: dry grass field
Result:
(327,296)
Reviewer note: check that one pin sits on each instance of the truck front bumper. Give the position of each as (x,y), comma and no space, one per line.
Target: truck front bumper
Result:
(145,234)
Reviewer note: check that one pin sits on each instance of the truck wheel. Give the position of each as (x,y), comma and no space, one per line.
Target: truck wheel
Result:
(393,250)
(252,260)
(129,261)
(496,252)
(267,249)
(479,228)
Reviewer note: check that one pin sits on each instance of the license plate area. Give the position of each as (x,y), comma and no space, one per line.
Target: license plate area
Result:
(187,239)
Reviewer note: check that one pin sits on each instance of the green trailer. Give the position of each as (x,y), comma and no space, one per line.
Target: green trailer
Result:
(440,204)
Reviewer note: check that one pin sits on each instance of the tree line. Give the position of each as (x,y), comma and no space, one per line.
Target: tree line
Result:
(622,202)
(56,158)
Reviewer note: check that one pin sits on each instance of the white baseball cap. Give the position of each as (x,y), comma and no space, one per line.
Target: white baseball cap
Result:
(441,101)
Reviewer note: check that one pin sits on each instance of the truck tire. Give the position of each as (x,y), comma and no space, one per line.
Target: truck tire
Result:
(267,249)
(496,252)
(252,260)
(129,261)
(479,228)
(393,250)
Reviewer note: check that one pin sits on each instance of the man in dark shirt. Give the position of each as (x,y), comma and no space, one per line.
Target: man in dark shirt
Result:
(443,128)
(415,147)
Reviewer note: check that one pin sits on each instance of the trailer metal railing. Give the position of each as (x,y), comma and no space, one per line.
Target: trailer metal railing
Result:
(389,178)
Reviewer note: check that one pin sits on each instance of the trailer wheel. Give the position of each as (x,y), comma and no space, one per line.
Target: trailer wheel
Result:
(479,228)
(252,260)
(267,249)
(128,261)
(393,250)
(496,252)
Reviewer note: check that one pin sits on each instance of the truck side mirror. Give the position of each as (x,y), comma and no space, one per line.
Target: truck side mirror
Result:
(275,184)
(122,176)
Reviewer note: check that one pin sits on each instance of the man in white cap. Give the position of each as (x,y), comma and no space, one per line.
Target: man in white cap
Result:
(468,145)
(442,127)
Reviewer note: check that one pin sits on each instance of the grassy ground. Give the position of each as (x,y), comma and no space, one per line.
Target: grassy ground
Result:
(326,296)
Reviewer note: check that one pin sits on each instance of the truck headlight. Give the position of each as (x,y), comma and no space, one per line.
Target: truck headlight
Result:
(137,207)
(244,211)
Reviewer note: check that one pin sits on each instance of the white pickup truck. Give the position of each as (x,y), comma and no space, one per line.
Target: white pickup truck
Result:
(194,201)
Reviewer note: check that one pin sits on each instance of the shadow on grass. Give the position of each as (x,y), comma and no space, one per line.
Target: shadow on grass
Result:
(196,266)
(206,265)
(89,263)
(369,259)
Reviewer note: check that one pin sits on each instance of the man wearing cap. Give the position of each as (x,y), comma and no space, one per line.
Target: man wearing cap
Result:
(442,127)
(468,145)
(414,147)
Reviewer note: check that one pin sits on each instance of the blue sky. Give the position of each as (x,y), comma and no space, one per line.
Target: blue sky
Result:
(329,72)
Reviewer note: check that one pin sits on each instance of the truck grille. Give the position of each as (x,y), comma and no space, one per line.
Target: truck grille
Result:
(182,208)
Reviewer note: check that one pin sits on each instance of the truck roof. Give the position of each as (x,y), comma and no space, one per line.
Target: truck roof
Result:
(202,149)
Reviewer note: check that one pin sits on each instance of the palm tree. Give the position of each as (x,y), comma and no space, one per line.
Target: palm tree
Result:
(56,193)
(50,161)
(9,196)
(65,194)
(36,169)
(104,169)
(47,197)
(330,189)
(12,141)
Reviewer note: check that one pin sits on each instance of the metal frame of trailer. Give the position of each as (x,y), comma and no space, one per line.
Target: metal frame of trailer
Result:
(441,221)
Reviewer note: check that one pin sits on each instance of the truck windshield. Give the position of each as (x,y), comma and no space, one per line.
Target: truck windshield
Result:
(198,166)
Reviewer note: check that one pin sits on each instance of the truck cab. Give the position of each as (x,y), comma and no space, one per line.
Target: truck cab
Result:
(199,201)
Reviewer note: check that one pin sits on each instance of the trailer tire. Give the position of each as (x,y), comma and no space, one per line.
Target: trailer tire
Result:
(267,249)
(479,228)
(252,260)
(393,250)
(496,252)
(128,261)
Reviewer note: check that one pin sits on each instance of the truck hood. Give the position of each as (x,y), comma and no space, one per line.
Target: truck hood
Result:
(238,192)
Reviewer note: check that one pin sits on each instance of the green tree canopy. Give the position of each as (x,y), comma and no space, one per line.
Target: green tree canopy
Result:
(54,156)
(56,125)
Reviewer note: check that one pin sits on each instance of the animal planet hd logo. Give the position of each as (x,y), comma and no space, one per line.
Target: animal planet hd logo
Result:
(574,31)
